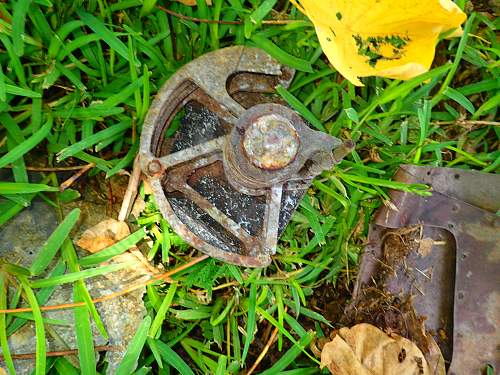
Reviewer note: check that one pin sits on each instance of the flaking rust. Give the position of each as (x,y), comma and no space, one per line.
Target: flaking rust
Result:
(227,161)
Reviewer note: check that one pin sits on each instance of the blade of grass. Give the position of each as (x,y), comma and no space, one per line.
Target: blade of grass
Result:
(220,318)
(412,188)
(54,242)
(23,188)
(3,96)
(92,140)
(273,321)
(251,319)
(40,357)
(460,99)
(491,103)
(107,35)
(129,361)
(3,328)
(283,57)
(456,61)
(63,367)
(289,356)
(156,353)
(278,292)
(42,297)
(399,91)
(236,339)
(424,117)
(162,311)
(256,17)
(19,91)
(147,7)
(84,337)
(173,359)
(18,25)
(116,249)
(299,107)
(71,259)
(221,365)
(74,276)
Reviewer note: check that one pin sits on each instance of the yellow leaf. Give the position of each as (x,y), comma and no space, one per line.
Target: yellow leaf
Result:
(386,38)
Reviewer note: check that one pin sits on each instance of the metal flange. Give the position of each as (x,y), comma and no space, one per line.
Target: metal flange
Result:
(228,162)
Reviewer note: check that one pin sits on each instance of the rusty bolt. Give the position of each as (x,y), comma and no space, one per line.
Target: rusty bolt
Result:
(154,167)
(271,142)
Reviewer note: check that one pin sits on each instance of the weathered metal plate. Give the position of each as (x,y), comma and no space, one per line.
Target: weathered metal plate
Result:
(453,279)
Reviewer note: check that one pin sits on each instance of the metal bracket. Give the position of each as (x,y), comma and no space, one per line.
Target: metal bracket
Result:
(456,286)
(229,177)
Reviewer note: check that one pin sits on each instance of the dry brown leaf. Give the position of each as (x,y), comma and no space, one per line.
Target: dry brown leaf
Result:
(425,246)
(107,233)
(365,349)
(192,3)
(103,234)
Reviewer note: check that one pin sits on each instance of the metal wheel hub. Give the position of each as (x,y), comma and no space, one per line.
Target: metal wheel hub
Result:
(228,162)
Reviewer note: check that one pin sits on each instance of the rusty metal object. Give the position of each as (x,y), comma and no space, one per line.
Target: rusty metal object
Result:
(452,274)
(228,162)
(271,142)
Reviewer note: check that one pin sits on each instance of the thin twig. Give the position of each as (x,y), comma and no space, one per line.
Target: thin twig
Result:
(70,181)
(226,285)
(61,353)
(163,277)
(468,123)
(203,20)
(264,351)
(131,192)
(49,169)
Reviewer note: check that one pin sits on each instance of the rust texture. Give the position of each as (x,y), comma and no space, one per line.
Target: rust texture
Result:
(452,274)
(271,142)
(227,159)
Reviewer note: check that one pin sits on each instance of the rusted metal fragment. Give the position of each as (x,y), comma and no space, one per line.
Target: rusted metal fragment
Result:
(271,142)
(451,262)
(227,165)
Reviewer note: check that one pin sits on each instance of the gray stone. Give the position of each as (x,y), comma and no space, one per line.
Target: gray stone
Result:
(21,239)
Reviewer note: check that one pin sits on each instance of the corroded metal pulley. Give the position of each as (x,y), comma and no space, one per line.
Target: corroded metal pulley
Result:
(228,162)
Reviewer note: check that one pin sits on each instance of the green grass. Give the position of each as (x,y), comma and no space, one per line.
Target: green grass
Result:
(76,81)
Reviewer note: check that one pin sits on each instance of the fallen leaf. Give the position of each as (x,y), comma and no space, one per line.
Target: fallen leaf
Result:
(365,349)
(386,38)
(107,233)
(103,234)
(425,246)
(193,2)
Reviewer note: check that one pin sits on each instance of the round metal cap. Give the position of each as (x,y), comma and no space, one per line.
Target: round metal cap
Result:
(271,142)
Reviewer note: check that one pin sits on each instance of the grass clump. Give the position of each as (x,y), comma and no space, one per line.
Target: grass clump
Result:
(76,82)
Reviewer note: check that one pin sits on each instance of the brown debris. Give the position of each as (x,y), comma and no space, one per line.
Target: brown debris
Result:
(425,246)
(192,3)
(103,234)
(365,349)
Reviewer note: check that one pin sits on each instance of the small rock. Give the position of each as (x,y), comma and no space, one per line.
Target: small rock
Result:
(20,240)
